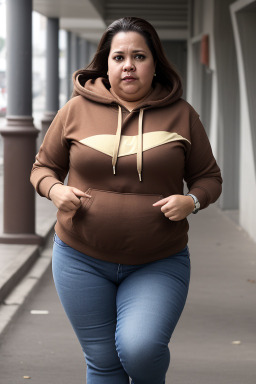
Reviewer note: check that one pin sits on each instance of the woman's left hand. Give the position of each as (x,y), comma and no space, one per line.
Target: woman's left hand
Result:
(176,207)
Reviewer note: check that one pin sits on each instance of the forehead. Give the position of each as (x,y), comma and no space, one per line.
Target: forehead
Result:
(124,40)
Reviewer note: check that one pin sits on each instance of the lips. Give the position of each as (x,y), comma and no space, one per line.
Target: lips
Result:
(129,78)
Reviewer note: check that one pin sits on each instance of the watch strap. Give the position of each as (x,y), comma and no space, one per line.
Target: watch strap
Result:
(196,202)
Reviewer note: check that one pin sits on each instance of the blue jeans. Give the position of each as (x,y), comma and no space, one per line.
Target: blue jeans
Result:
(123,315)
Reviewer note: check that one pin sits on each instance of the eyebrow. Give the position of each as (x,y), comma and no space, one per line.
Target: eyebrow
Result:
(134,51)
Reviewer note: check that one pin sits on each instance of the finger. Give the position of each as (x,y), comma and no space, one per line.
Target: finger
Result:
(160,202)
(80,193)
(75,201)
(174,218)
(67,207)
(70,201)
(166,208)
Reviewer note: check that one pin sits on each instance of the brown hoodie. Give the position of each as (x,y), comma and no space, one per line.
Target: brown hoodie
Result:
(126,161)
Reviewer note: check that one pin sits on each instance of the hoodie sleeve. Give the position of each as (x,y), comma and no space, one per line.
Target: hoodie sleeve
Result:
(52,161)
(202,174)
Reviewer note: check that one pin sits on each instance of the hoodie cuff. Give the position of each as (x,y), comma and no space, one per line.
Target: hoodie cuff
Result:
(46,185)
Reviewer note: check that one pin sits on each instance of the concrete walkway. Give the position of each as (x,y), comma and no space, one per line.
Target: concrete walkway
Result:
(214,342)
(17,260)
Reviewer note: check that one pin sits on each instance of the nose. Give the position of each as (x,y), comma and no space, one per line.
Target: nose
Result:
(128,66)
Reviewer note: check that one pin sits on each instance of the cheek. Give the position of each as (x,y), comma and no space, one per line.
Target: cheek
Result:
(147,71)
(113,73)
(112,80)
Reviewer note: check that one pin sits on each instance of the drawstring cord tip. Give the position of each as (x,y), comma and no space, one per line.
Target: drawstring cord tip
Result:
(114,170)
(140,176)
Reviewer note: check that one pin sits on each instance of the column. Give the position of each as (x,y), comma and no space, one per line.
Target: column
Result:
(91,50)
(229,135)
(77,57)
(52,73)
(74,53)
(243,15)
(73,60)
(84,60)
(19,135)
(68,66)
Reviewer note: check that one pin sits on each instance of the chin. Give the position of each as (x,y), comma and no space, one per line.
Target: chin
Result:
(131,93)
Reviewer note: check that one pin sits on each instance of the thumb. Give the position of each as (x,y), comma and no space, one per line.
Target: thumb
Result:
(80,193)
(161,202)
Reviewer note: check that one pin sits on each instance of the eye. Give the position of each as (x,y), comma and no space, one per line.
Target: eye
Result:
(118,58)
(139,57)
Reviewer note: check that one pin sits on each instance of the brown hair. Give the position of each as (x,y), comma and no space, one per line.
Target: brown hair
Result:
(165,73)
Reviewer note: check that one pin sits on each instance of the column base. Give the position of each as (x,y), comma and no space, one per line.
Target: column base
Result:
(19,139)
(23,238)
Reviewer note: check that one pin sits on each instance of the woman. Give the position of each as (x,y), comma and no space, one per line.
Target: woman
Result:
(120,258)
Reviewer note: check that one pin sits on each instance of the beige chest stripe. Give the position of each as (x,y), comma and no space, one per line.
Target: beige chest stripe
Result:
(129,144)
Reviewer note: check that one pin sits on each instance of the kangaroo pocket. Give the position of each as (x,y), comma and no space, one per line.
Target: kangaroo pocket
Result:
(124,222)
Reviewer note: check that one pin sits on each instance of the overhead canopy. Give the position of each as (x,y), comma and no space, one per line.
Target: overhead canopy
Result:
(89,18)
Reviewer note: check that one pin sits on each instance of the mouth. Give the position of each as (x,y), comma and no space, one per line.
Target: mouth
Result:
(128,78)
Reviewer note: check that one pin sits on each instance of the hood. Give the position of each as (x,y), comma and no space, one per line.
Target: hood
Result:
(97,90)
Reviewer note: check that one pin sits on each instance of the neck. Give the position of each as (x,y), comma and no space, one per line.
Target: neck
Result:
(130,105)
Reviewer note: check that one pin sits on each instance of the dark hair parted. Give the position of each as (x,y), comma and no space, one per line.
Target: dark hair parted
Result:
(165,73)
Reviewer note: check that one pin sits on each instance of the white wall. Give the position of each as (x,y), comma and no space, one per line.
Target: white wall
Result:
(203,24)
(214,90)
(244,26)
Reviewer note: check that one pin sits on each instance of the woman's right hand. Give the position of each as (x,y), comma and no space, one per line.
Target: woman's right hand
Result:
(66,198)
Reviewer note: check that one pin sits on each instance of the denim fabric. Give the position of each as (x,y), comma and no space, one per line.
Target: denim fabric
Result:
(123,315)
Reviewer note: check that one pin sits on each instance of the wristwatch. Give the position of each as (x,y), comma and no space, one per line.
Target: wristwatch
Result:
(197,204)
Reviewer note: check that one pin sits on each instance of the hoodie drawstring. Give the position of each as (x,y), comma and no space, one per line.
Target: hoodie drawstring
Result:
(118,140)
(140,144)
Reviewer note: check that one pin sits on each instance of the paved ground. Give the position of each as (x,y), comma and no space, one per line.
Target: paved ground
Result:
(15,260)
(221,310)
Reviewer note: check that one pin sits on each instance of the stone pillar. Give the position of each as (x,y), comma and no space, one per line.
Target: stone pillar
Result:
(84,53)
(229,135)
(73,59)
(243,15)
(52,73)
(19,135)
(74,53)
(91,50)
(68,66)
